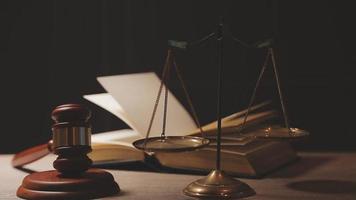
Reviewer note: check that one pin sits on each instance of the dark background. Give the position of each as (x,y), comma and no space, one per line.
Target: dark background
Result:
(52,51)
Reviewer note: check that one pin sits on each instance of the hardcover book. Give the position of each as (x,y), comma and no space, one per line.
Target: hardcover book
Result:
(131,98)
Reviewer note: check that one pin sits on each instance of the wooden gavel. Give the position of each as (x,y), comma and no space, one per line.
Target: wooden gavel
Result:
(71,138)
(32,154)
(71,128)
(72,179)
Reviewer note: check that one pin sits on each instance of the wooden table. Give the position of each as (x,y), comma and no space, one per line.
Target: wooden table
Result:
(315,176)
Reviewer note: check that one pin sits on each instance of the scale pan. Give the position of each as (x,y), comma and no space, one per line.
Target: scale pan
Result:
(171,143)
(281,133)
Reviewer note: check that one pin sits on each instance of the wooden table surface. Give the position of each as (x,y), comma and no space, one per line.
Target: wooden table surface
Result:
(315,176)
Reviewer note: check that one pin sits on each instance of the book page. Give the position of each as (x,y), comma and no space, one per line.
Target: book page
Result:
(254,118)
(137,93)
(238,115)
(118,137)
(106,101)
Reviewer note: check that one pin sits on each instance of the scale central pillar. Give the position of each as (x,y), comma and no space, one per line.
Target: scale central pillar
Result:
(218,185)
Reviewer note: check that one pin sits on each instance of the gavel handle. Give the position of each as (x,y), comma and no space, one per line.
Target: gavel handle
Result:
(32,154)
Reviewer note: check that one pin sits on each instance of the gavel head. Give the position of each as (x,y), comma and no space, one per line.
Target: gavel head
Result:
(71,138)
(71,113)
(71,126)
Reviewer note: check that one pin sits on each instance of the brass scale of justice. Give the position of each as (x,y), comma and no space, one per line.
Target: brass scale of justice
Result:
(217,184)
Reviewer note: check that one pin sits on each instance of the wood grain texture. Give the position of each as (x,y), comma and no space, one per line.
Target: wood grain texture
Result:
(91,184)
(30,155)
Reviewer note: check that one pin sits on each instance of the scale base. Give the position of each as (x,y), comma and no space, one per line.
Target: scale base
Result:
(218,185)
(91,184)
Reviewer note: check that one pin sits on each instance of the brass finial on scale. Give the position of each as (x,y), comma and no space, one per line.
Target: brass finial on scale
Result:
(218,185)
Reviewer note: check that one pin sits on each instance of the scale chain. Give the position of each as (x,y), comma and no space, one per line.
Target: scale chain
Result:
(270,54)
(195,116)
(165,108)
(279,90)
(164,73)
(264,66)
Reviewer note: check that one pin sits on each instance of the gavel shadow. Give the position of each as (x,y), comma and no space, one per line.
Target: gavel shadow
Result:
(325,186)
(26,170)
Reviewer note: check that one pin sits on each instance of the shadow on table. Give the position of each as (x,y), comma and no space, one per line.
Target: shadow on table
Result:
(294,169)
(325,186)
(303,165)
(151,165)
(142,167)
(26,170)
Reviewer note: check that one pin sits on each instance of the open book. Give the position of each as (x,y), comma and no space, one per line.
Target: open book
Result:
(131,98)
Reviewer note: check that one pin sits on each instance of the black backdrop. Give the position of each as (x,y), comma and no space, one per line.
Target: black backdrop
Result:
(52,51)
